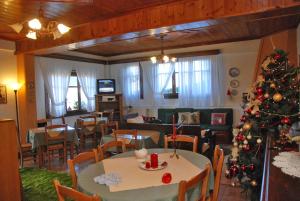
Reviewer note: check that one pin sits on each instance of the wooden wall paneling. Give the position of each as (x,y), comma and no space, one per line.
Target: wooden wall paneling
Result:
(173,13)
(286,40)
(26,94)
(9,164)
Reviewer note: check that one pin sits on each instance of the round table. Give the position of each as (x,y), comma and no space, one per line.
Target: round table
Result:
(87,185)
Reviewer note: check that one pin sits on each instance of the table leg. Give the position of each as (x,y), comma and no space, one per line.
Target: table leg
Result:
(40,156)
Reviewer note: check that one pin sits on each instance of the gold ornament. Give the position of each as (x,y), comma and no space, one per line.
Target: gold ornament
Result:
(277,97)
(258,141)
(272,85)
(245,142)
(253,183)
(249,137)
(266,95)
(247,126)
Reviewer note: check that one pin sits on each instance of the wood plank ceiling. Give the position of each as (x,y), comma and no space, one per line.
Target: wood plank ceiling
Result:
(76,12)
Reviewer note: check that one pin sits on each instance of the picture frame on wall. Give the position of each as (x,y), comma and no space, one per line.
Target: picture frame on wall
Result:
(3,94)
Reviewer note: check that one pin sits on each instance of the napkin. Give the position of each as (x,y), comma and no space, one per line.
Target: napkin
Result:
(108,179)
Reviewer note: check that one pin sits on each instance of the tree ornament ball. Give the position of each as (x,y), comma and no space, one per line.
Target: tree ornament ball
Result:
(266,95)
(249,137)
(285,120)
(246,126)
(243,167)
(253,183)
(234,170)
(246,147)
(240,146)
(273,85)
(267,106)
(251,167)
(245,142)
(258,141)
(243,118)
(259,90)
(277,97)
(253,112)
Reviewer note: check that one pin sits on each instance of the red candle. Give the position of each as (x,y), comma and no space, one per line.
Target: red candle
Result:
(154,160)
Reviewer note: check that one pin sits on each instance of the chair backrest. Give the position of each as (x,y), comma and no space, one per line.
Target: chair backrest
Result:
(131,133)
(109,126)
(80,158)
(182,138)
(184,186)
(64,192)
(101,150)
(56,133)
(41,122)
(57,120)
(217,167)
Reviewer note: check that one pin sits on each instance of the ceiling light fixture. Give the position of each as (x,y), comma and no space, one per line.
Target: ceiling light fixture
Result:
(162,58)
(41,28)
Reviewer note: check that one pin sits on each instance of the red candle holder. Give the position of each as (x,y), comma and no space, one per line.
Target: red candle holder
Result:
(154,160)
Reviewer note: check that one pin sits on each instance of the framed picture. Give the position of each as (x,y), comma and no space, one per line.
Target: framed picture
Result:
(3,94)
(234,72)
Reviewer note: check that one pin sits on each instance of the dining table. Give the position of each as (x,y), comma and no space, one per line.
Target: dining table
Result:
(139,184)
(36,136)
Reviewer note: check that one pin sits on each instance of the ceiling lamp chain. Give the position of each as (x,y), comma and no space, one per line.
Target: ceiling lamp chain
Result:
(162,58)
(40,28)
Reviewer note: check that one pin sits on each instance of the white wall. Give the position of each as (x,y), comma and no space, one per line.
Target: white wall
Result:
(237,54)
(8,75)
(40,90)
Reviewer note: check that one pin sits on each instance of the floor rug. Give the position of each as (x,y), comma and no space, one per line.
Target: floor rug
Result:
(38,184)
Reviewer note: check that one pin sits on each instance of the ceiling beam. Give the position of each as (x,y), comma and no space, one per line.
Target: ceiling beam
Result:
(183,14)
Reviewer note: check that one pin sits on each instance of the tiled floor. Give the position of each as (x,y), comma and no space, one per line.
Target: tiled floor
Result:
(227,191)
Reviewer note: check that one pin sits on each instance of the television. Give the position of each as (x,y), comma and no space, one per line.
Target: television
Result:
(106,86)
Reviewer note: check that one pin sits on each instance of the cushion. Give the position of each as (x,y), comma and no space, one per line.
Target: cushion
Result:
(137,120)
(189,117)
(218,118)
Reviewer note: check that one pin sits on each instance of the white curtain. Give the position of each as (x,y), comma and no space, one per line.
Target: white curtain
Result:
(56,74)
(130,77)
(158,77)
(201,81)
(87,76)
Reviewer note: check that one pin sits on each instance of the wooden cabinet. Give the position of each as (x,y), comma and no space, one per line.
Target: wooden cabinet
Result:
(110,104)
(9,164)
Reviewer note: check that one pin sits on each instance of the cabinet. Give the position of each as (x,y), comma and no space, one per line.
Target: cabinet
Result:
(9,164)
(110,104)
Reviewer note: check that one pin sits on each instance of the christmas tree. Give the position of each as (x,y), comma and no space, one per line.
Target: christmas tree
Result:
(272,104)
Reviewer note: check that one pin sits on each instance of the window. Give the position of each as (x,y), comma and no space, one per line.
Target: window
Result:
(131,84)
(171,88)
(75,99)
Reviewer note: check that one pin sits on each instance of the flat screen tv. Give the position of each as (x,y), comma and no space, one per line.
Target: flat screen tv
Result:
(106,86)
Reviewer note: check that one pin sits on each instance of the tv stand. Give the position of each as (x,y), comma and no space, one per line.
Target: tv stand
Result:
(111,105)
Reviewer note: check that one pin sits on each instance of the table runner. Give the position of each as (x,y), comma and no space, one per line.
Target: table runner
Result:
(133,177)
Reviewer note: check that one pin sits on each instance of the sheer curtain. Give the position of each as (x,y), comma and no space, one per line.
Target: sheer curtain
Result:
(158,77)
(56,74)
(87,76)
(201,81)
(130,76)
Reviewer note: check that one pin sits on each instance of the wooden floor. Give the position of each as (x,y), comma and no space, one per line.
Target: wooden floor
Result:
(227,191)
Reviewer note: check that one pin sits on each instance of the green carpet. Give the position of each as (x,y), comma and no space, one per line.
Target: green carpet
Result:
(38,183)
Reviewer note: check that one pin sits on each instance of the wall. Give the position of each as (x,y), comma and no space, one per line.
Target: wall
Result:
(8,75)
(237,54)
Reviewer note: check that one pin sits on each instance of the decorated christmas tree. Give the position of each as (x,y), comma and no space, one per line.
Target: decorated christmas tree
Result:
(272,105)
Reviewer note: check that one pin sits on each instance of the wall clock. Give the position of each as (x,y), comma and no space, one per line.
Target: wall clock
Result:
(234,72)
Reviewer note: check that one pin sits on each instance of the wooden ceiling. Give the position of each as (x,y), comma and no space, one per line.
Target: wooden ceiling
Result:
(69,12)
(188,23)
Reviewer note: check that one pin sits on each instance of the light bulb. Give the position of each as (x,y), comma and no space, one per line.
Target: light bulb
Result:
(35,24)
(15,86)
(173,59)
(63,28)
(165,58)
(153,60)
(31,35)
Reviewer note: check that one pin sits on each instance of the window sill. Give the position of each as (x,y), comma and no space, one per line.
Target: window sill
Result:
(171,96)
(75,112)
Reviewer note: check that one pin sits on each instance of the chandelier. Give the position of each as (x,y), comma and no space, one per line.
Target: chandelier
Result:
(40,27)
(162,58)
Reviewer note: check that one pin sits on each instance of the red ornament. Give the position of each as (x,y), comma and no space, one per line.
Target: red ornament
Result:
(166,178)
(243,167)
(228,93)
(257,114)
(246,147)
(277,56)
(259,90)
(267,106)
(285,120)
(251,167)
(261,98)
(249,110)
(243,118)
(234,170)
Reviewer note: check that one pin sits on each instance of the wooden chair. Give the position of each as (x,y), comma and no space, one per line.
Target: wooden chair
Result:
(130,133)
(184,186)
(79,159)
(55,140)
(64,192)
(217,167)
(57,120)
(108,127)
(87,129)
(100,152)
(41,123)
(182,138)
